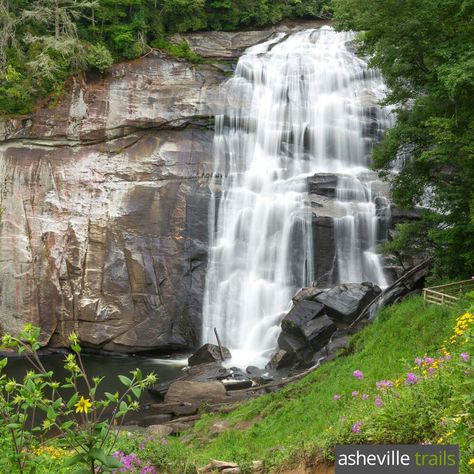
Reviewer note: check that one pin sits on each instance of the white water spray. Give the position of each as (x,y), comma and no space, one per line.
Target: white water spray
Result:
(296,106)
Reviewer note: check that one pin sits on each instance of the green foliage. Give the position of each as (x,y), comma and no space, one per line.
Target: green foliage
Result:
(43,42)
(425,52)
(99,58)
(84,423)
(436,408)
(184,15)
(178,50)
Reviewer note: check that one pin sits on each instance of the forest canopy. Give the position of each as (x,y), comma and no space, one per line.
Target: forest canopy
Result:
(43,42)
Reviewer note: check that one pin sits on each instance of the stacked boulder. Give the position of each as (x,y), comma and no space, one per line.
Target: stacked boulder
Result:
(318,318)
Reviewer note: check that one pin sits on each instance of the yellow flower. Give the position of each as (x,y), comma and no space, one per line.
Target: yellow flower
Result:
(83,405)
(440,440)
(471,461)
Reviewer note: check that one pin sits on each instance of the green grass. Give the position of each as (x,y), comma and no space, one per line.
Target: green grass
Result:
(293,422)
(302,423)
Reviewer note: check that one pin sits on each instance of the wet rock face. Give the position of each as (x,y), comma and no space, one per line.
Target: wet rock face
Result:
(105,201)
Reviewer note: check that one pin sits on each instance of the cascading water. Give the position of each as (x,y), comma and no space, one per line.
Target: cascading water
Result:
(295,107)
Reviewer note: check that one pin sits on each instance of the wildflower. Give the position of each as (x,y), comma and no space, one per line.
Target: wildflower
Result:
(336,397)
(365,396)
(440,440)
(378,402)
(411,378)
(358,374)
(83,405)
(418,361)
(384,384)
(464,356)
(355,393)
(148,470)
(471,461)
(428,360)
(164,441)
(356,427)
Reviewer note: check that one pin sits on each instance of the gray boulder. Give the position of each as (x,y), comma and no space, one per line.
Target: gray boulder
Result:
(188,391)
(208,353)
(281,359)
(301,314)
(343,303)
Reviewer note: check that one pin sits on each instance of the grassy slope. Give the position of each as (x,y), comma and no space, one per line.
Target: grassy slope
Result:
(297,416)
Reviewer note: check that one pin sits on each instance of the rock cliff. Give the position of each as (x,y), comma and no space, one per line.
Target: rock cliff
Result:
(104,200)
(104,208)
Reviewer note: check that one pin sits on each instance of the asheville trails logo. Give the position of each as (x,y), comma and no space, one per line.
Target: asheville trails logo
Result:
(395,459)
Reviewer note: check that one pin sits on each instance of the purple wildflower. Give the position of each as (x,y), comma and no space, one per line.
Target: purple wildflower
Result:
(164,441)
(336,397)
(428,360)
(384,384)
(418,361)
(430,370)
(355,393)
(365,396)
(356,427)
(378,402)
(411,378)
(148,470)
(358,374)
(464,356)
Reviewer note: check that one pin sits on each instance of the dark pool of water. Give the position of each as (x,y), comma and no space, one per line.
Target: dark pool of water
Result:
(108,366)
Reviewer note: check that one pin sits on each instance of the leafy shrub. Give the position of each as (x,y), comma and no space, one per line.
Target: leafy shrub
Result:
(178,50)
(88,426)
(99,58)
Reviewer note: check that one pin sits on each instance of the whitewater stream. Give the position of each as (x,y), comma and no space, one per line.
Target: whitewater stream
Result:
(296,106)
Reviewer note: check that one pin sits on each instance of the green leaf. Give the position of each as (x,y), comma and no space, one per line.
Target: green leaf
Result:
(72,401)
(102,457)
(75,459)
(125,380)
(13,426)
(51,414)
(110,397)
(81,470)
(136,391)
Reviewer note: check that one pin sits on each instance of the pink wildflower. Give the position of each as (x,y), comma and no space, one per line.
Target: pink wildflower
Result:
(358,374)
(356,427)
(411,378)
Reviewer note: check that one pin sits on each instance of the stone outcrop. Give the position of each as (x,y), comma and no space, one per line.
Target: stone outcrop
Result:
(209,353)
(104,208)
(196,391)
(310,331)
(229,45)
(343,303)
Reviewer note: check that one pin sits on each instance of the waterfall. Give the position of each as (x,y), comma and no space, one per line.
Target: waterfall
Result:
(296,105)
